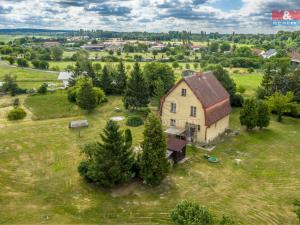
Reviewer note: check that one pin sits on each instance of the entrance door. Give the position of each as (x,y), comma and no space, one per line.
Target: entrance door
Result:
(191,132)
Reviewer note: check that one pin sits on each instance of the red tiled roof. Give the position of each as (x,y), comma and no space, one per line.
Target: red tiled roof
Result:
(175,144)
(207,88)
(212,95)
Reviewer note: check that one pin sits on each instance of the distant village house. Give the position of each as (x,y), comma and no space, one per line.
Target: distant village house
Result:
(268,54)
(65,77)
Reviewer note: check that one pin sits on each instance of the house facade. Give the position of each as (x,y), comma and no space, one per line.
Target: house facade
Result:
(197,108)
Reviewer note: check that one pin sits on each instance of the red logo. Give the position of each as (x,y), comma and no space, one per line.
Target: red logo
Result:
(286,15)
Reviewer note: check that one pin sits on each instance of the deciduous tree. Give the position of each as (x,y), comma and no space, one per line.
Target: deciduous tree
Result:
(280,103)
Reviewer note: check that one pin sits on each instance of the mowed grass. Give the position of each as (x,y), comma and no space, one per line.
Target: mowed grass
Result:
(27,77)
(51,105)
(250,81)
(7,38)
(40,182)
(27,74)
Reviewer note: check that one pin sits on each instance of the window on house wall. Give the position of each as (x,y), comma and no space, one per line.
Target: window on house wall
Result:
(173,107)
(173,123)
(199,127)
(183,92)
(193,111)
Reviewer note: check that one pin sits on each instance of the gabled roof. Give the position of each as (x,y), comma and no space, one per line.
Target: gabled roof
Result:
(65,75)
(211,94)
(207,88)
(269,53)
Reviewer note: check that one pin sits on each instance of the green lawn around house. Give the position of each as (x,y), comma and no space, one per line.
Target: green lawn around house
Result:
(250,81)
(51,105)
(40,182)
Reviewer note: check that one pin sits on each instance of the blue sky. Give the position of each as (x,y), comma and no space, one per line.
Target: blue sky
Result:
(224,16)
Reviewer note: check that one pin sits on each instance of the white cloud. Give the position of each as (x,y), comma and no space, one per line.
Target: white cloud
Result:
(143,15)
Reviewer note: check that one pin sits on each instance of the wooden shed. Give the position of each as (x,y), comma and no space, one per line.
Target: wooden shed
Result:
(78,124)
(176,149)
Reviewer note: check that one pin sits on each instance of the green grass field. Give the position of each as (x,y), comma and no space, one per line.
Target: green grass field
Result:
(51,105)
(40,182)
(29,78)
(7,38)
(249,81)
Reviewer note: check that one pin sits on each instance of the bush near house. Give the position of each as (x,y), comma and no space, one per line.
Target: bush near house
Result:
(134,121)
(16,114)
(190,213)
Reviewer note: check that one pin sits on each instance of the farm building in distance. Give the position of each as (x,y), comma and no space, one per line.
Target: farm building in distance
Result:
(197,108)
(65,77)
(268,54)
(93,47)
(50,44)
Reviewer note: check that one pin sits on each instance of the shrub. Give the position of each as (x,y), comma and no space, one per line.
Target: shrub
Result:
(72,93)
(42,89)
(190,213)
(144,111)
(227,221)
(135,121)
(294,111)
(241,89)
(16,114)
(237,100)
(22,62)
(55,68)
(250,70)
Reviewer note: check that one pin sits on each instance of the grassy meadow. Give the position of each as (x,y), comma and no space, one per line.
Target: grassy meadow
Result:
(39,175)
(39,182)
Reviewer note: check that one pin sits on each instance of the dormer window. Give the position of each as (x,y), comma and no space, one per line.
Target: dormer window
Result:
(183,92)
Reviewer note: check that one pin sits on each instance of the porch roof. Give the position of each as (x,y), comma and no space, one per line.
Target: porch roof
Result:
(175,144)
(175,131)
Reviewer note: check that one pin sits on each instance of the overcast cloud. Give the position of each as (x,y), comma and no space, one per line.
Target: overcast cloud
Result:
(247,16)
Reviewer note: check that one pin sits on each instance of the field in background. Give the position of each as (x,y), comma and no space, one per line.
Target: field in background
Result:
(27,77)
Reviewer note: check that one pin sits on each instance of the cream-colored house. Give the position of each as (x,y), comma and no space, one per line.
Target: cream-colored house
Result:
(197,108)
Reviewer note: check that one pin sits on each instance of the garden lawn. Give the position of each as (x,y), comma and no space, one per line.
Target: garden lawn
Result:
(250,81)
(40,183)
(27,77)
(27,74)
(51,105)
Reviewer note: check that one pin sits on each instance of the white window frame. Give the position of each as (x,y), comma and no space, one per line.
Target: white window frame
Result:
(193,111)
(183,92)
(173,107)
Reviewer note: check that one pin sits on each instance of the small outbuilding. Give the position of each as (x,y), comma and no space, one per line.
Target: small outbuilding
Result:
(78,124)
(65,77)
(176,149)
(268,54)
